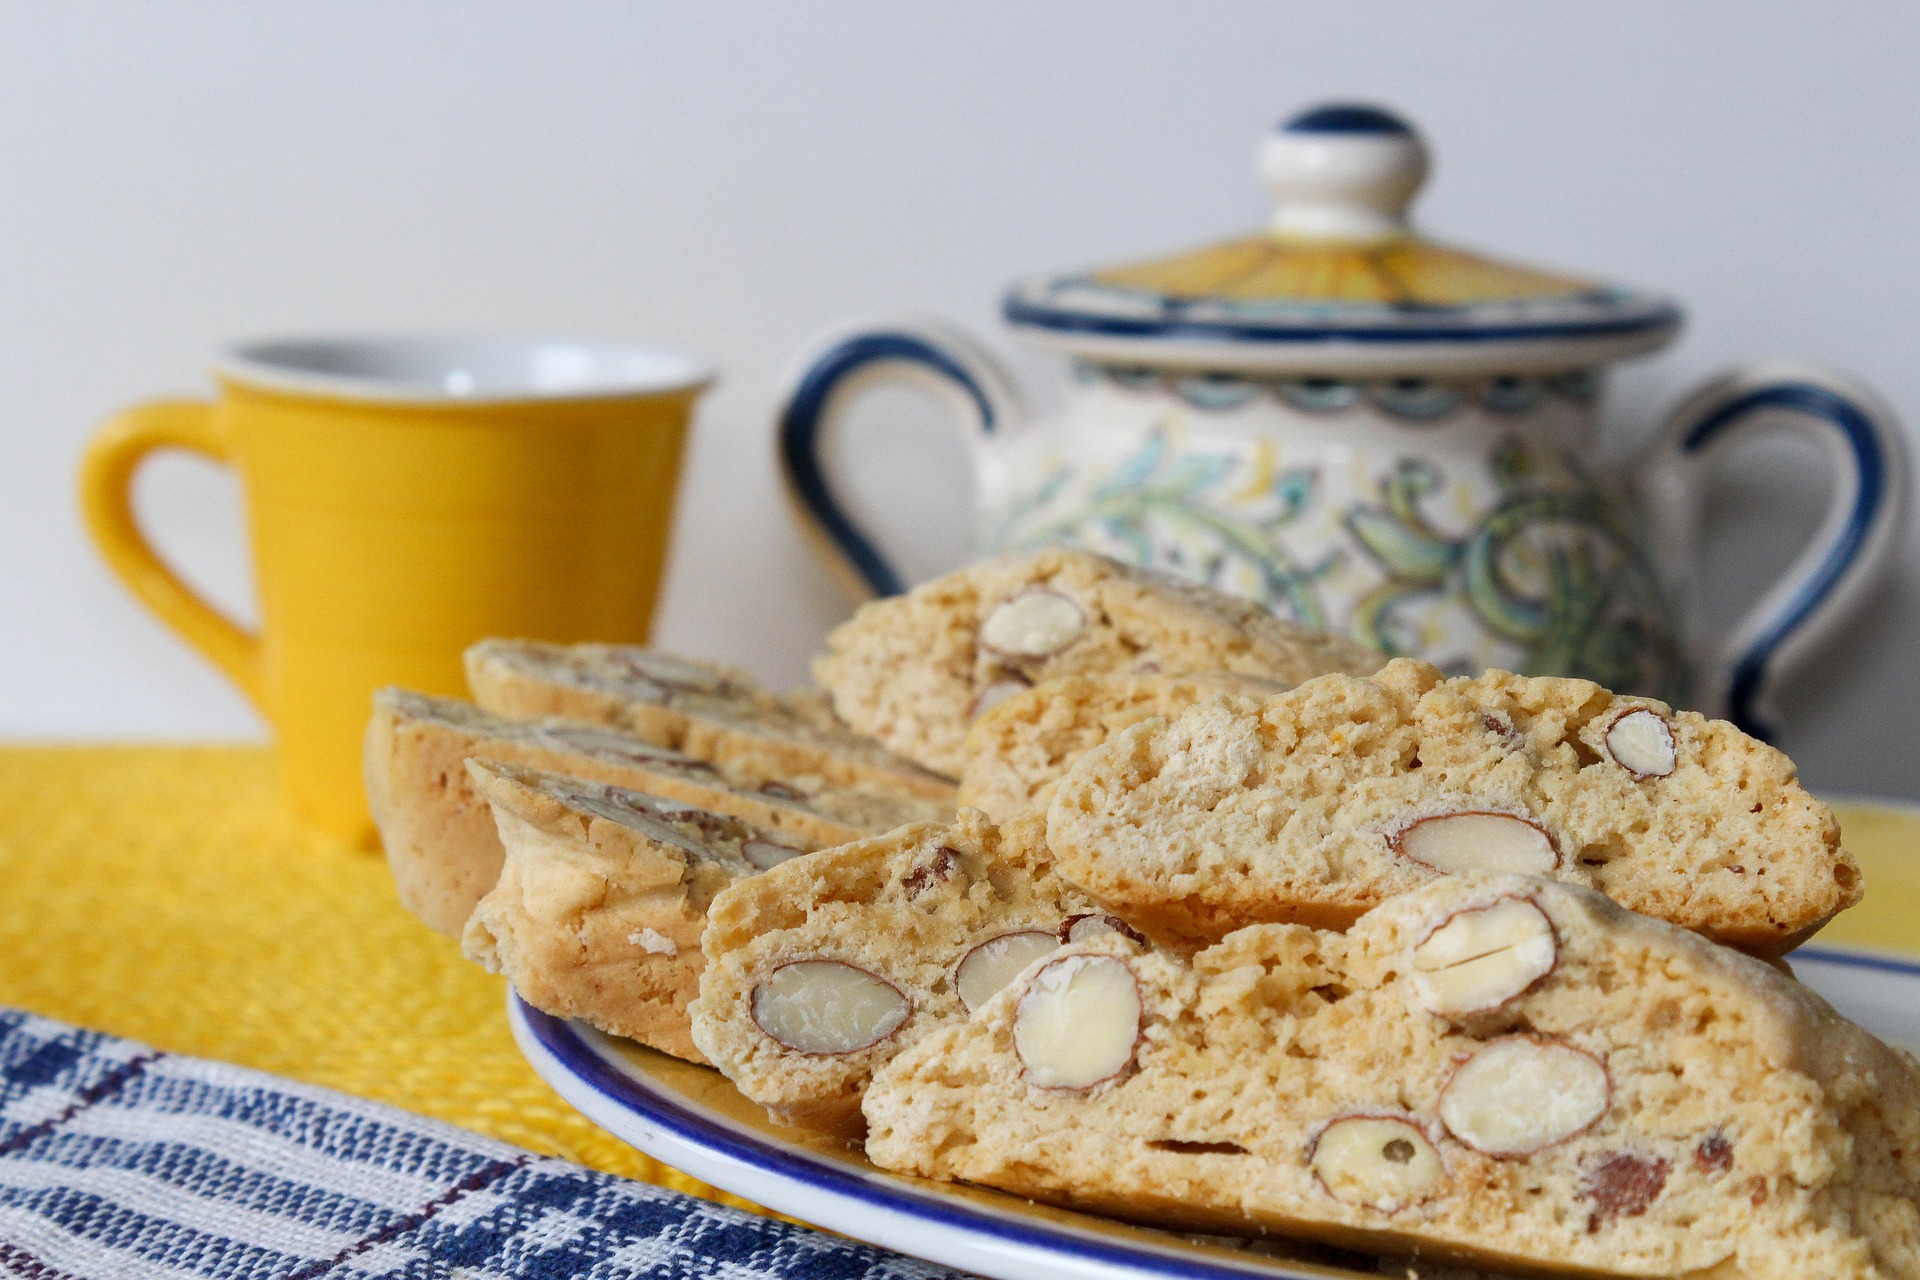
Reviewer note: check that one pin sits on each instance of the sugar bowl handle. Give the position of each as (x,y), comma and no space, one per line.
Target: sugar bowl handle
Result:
(1741,672)
(924,353)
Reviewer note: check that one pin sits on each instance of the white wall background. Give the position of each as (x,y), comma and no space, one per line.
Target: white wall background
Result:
(732,178)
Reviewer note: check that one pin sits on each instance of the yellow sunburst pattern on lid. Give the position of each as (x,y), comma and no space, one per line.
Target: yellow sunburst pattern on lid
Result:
(1403,271)
(1340,279)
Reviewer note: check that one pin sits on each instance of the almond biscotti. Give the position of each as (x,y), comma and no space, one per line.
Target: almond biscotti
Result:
(599,905)
(824,967)
(1018,749)
(700,709)
(1507,1071)
(439,834)
(913,671)
(1334,796)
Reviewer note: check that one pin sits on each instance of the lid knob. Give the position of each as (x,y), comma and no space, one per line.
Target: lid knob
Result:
(1342,171)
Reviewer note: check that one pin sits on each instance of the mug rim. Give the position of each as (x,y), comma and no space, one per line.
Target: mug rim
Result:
(437,369)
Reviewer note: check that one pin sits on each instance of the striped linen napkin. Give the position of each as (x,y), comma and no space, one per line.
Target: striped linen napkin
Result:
(120,1161)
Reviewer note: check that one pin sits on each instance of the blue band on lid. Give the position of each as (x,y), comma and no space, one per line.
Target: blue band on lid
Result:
(1346,117)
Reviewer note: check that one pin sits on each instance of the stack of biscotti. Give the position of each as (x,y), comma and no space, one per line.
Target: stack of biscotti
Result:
(1504,1071)
(1340,962)
(599,906)
(706,738)
(1235,928)
(441,838)
(1313,806)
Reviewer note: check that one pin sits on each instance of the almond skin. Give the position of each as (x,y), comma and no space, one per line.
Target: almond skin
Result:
(825,1008)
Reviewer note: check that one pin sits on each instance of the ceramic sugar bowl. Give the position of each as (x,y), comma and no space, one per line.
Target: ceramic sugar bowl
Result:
(1381,435)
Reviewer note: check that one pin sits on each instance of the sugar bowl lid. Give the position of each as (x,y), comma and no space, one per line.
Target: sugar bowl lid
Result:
(1339,282)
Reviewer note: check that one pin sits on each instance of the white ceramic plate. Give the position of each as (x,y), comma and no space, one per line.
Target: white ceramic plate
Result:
(692,1119)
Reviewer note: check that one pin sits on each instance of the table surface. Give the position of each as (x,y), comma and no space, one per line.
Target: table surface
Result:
(163,893)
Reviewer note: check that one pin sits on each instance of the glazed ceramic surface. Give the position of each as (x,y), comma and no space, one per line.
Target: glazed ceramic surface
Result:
(1377,434)
(693,1119)
(406,497)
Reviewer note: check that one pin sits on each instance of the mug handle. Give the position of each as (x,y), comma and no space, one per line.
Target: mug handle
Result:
(1847,556)
(928,354)
(106,489)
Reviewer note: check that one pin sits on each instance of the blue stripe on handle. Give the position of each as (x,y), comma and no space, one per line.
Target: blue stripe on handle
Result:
(800,426)
(1750,672)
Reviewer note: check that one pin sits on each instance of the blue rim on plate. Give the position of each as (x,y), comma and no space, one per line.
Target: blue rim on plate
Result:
(564,1054)
(586,1076)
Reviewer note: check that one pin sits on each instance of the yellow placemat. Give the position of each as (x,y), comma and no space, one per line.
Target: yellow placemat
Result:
(1886,839)
(163,893)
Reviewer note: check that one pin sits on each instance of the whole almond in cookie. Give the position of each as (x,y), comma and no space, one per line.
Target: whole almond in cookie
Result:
(987,968)
(1482,958)
(1641,742)
(1078,1022)
(1521,1094)
(1379,1161)
(1478,842)
(828,1007)
(1033,624)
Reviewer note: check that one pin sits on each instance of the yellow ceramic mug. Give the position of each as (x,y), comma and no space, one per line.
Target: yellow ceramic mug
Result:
(405,498)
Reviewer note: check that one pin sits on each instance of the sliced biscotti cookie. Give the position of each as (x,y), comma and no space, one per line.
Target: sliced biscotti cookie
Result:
(1501,1070)
(700,709)
(824,967)
(439,834)
(599,906)
(914,670)
(1018,749)
(1336,795)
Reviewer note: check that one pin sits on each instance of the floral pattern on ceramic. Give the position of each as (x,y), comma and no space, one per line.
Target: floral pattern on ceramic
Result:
(1550,573)
(1211,516)
(1536,571)
(1374,433)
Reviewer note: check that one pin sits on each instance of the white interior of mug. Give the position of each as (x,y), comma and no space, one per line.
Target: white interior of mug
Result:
(453,370)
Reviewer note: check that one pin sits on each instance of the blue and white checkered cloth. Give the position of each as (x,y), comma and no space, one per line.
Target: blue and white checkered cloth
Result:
(120,1161)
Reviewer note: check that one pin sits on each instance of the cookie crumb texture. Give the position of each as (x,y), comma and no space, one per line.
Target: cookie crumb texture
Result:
(600,902)
(1332,797)
(913,671)
(714,713)
(1016,751)
(1657,1105)
(798,1004)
